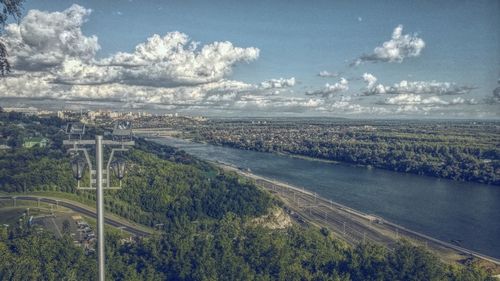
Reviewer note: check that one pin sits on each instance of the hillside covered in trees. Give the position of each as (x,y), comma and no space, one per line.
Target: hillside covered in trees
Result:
(207,232)
(225,249)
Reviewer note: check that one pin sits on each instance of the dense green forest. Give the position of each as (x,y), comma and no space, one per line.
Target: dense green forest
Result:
(207,215)
(225,249)
(458,150)
(162,185)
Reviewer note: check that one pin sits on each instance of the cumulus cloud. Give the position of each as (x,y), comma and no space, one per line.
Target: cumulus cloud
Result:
(330,90)
(28,85)
(414,87)
(461,100)
(285,104)
(342,105)
(168,61)
(278,83)
(370,79)
(56,61)
(413,99)
(40,85)
(43,40)
(325,73)
(76,72)
(175,60)
(53,41)
(400,46)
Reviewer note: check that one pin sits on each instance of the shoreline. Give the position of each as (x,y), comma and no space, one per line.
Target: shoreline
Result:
(309,158)
(446,251)
(388,227)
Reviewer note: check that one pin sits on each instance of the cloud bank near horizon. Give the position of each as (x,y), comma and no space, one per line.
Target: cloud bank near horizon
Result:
(54,59)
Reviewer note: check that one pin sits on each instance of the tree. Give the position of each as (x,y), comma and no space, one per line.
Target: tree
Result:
(66,226)
(9,8)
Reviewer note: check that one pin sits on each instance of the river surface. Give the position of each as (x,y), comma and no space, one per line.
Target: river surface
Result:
(467,213)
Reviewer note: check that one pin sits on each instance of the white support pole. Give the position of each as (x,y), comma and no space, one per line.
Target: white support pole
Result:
(96,181)
(100,209)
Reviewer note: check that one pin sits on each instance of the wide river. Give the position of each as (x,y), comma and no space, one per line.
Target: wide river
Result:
(467,213)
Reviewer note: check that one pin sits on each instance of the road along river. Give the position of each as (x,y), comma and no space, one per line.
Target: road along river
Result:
(460,213)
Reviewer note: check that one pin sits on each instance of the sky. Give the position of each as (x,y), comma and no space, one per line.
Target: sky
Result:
(360,59)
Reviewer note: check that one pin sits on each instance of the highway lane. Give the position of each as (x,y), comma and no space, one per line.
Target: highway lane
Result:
(84,211)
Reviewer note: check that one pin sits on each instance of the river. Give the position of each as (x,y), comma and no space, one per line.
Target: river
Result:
(459,212)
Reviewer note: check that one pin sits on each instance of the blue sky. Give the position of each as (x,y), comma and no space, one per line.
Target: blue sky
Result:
(299,39)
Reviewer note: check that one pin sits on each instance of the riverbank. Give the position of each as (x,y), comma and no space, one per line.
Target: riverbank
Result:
(354,226)
(463,214)
(166,133)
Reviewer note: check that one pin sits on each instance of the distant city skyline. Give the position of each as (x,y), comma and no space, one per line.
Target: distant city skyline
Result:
(359,59)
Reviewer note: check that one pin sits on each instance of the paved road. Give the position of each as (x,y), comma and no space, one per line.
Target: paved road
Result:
(78,209)
(351,225)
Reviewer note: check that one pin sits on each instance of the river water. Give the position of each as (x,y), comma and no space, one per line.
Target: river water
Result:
(466,213)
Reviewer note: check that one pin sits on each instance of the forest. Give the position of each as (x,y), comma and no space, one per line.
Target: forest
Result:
(207,231)
(453,149)
(224,249)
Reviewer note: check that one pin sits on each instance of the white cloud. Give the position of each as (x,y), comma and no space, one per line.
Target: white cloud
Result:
(325,73)
(221,96)
(395,50)
(278,83)
(77,72)
(432,87)
(413,99)
(169,61)
(175,60)
(28,85)
(370,79)
(414,87)
(461,100)
(53,41)
(330,90)
(272,103)
(39,85)
(56,61)
(43,40)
